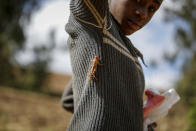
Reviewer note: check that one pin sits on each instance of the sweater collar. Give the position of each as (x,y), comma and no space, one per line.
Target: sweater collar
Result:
(128,42)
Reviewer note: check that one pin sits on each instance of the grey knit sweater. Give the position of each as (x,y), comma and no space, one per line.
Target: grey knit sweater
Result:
(112,99)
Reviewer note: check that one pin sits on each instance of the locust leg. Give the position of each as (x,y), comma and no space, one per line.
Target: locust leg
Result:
(92,76)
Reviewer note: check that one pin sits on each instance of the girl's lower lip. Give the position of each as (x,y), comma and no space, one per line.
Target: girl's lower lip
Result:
(132,25)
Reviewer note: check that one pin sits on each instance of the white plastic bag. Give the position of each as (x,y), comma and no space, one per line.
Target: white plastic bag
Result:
(171,97)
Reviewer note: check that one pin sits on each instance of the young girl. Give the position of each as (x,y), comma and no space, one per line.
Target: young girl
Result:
(107,84)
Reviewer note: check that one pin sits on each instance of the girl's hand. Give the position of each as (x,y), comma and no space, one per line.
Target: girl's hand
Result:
(153,101)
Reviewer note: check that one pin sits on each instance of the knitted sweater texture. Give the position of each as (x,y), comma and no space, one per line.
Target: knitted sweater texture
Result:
(107,95)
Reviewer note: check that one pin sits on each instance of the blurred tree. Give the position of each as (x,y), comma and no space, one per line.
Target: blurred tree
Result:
(33,75)
(15,15)
(185,36)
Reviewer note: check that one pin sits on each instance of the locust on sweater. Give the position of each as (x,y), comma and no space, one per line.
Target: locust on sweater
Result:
(114,101)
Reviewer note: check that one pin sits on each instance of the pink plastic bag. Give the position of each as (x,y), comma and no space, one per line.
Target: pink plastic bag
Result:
(158,105)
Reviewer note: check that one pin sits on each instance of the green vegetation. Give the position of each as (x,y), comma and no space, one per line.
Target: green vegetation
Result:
(185,37)
(15,16)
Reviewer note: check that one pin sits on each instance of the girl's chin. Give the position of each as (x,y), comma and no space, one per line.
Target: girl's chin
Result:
(128,32)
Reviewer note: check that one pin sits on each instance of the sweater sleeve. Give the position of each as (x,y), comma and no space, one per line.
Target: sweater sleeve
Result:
(91,12)
(67,98)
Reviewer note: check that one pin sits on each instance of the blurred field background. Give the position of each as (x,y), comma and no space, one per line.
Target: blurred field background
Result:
(34,72)
(29,111)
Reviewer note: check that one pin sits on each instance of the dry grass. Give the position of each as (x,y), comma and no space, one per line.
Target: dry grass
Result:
(27,111)
(56,83)
(176,119)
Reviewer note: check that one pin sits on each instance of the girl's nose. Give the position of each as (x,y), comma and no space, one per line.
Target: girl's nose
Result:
(142,13)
